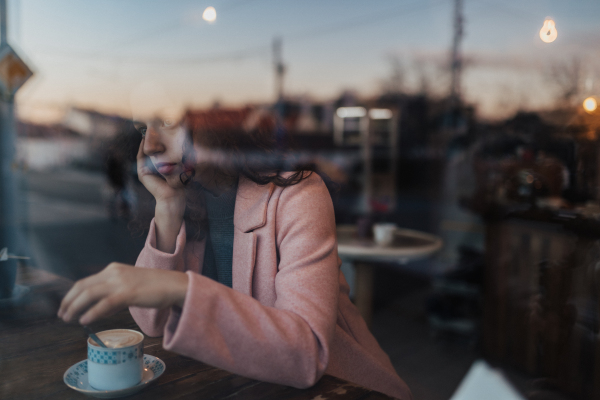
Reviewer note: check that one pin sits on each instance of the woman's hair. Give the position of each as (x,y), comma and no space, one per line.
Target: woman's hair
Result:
(252,153)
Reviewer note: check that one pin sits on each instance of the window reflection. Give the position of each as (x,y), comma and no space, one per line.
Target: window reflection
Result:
(462,124)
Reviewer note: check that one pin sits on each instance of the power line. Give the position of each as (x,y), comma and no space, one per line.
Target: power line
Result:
(363,20)
(129,59)
(173,26)
(513,11)
(161,30)
(257,50)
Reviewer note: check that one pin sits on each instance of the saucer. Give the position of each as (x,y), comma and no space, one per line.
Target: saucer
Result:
(76,378)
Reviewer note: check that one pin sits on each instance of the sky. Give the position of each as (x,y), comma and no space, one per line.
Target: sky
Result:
(93,54)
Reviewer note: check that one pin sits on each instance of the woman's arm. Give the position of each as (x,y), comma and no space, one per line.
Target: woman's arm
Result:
(120,285)
(185,256)
(165,242)
(151,290)
(288,343)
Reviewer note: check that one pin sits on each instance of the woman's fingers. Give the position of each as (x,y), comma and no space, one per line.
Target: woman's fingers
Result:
(78,288)
(91,289)
(119,286)
(140,153)
(106,307)
(85,299)
(142,169)
(155,184)
(141,158)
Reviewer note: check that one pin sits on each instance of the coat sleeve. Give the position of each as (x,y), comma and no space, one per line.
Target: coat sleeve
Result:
(152,321)
(288,343)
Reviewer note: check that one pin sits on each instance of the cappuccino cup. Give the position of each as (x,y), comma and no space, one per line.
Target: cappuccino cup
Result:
(120,364)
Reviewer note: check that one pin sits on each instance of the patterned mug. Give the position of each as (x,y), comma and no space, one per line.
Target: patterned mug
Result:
(120,364)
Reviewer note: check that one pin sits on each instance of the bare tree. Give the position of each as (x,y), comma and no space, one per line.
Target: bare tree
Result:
(395,82)
(423,75)
(566,77)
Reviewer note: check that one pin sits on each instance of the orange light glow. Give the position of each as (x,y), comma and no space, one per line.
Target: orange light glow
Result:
(209,14)
(590,104)
(548,32)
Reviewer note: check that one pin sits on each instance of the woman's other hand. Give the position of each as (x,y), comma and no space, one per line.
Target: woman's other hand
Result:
(156,185)
(119,286)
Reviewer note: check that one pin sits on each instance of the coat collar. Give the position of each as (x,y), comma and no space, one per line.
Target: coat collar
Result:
(251,204)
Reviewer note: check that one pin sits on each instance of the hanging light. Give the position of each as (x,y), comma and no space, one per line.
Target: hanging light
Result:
(548,33)
(209,14)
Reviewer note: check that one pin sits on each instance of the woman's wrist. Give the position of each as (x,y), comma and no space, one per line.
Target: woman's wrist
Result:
(167,222)
(181,289)
(172,208)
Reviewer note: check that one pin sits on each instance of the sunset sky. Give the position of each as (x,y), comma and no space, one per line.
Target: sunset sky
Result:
(94,53)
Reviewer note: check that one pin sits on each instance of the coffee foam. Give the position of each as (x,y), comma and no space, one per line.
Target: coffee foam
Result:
(117,338)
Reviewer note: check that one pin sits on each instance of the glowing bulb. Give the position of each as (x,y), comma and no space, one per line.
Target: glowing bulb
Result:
(548,32)
(210,14)
(590,104)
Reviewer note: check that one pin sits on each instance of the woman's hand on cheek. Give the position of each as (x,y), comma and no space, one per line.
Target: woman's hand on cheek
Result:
(156,185)
(119,286)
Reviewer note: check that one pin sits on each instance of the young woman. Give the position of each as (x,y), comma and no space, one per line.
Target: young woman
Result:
(260,292)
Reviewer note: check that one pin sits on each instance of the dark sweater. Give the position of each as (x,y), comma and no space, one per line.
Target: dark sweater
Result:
(219,241)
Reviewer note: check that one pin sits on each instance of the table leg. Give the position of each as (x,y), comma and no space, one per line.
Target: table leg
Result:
(363,285)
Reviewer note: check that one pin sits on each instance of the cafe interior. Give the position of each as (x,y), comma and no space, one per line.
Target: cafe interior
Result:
(465,182)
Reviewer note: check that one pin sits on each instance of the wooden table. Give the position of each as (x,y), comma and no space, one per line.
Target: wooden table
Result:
(408,245)
(31,337)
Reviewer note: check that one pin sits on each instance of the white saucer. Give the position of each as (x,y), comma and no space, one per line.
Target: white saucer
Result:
(76,378)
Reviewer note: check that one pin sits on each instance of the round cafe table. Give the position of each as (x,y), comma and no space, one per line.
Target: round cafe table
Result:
(408,245)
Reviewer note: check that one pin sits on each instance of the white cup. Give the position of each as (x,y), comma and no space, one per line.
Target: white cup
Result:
(383,233)
(120,365)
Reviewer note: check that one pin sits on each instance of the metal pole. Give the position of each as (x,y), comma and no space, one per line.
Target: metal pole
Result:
(456,62)
(9,186)
(395,150)
(279,72)
(3,28)
(279,67)
(367,151)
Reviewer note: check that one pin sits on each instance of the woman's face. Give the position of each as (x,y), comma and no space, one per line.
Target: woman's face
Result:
(164,143)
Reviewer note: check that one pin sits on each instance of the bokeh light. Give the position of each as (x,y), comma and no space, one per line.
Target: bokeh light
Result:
(351,112)
(209,14)
(590,104)
(548,33)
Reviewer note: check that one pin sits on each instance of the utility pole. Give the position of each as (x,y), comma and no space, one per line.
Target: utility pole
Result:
(279,103)
(456,62)
(13,73)
(279,67)
(3,27)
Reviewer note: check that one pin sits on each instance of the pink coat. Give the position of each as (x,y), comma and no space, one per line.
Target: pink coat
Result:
(288,318)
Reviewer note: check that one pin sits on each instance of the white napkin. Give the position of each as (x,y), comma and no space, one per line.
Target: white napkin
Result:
(484,382)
